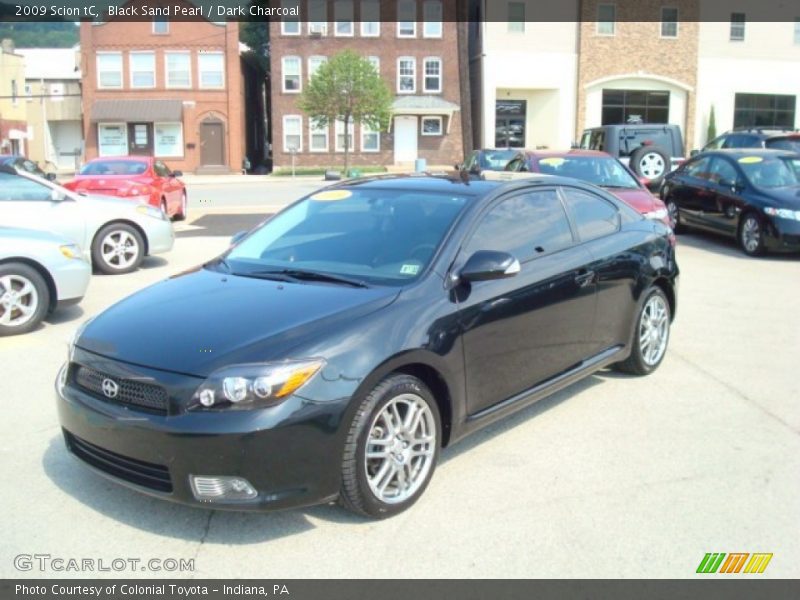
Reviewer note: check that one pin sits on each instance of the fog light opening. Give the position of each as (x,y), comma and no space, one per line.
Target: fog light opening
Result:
(221,489)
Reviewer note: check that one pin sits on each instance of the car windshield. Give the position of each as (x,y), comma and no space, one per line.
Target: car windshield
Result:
(114,167)
(602,171)
(771,171)
(379,236)
(496,160)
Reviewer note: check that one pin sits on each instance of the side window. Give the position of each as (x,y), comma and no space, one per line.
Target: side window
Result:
(161,169)
(16,188)
(594,217)
(722,170)
(471,161)
(741,141)
(526,225)
(698,168)
(716,143)
(514,165)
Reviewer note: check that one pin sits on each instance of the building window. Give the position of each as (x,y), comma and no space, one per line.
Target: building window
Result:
(797,30)
(14,92)
(370,18)
(143,69)
(343,17)
(212,69)
(375,61)
(318,138)
(109,70)
(290,25)
(432,126)
(28,92)
(160,26)
(433,75)
(292,69)
(432,19)
(112,139)
(606,19)
(635,106)
(764,110)
(406,75)
(737,27)
(314,63)
(179,69)
(370,139)
(516,17)
(318,17)
(340,140)
(292,133)
(406,18)
(510,123)
(669,22)
(168,140)
(55,91)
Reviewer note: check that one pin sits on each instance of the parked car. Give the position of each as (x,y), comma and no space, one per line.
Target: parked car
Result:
(598,168)
(114,234)
(137,178)
(20,163)
(651,150)
(751,194)
(365,327)
(39,272)
(487,159)
(776,139)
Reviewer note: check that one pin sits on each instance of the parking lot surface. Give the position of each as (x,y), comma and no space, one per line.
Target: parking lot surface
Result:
(615,476)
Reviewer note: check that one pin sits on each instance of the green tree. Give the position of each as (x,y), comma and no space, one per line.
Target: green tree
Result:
(347,88)
(712,125)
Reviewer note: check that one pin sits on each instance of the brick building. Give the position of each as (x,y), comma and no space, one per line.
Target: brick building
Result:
(171,89)
(13,108)
(413,45)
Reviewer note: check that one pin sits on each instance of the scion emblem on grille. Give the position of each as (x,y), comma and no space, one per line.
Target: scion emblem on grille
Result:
(110,388)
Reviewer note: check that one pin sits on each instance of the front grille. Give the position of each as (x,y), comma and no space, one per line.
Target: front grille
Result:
(145,474)
(136,394)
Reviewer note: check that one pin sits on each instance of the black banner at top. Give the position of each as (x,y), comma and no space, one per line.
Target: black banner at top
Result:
(397,10)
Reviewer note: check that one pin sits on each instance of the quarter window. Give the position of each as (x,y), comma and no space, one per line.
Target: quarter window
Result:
(291,74)
(433,75)
(527,226)
(109,69)
(594,217)
(406,75)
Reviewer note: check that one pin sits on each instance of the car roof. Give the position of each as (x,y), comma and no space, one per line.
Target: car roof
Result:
(566,153)
(739,152)
(764,132)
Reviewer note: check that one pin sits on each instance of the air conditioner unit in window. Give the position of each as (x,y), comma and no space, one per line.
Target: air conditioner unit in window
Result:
(316,29)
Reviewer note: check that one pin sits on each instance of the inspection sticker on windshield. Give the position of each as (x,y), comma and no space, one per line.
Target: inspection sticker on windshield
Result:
(749,160)
(409,269)
(331,195)
(553,161)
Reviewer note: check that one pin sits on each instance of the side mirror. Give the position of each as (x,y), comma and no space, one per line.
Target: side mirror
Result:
(694,152)
(486,265)
(176,174)
(237,237)
(50,176)
(57,196)
(574,146)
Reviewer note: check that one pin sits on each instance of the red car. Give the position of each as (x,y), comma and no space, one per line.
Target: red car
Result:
(599,168)
(140,178)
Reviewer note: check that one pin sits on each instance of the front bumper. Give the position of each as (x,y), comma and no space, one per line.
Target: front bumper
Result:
(71,279)
(160,235)
(784,235)
(290,453)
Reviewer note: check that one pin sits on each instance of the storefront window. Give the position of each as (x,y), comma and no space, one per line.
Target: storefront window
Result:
(764,110)
(112,139)
(168,139)
(635,106)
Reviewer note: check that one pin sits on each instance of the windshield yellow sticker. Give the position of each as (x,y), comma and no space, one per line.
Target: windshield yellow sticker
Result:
(331,195)
(749,160)
(553,161)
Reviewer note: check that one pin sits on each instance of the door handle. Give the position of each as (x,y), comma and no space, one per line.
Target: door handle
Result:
(584,278)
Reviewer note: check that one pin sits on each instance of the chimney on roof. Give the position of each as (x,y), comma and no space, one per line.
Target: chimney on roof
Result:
(8,45)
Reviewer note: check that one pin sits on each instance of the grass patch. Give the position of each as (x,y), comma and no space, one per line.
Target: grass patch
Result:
(287,172)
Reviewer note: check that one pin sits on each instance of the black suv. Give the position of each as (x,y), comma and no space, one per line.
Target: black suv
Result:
(651,150)
(776,139)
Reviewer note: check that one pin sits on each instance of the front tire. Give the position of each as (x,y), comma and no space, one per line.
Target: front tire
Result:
(181,215)
(675,216)
(391,449)
(24,298)
(117,248)
(651,336)
(751,234)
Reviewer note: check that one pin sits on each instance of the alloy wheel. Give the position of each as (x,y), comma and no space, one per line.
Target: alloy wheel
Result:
(19,300)
(751,234)
(119,249)
(654,330)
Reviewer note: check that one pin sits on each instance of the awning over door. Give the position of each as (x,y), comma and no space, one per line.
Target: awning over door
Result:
(423,106)
(136,110)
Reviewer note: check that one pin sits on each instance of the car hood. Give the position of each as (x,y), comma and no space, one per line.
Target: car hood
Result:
(788,197)
(202,320)
(640,200)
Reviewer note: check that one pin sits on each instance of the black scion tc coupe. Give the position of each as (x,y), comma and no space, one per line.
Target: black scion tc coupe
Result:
(331,352)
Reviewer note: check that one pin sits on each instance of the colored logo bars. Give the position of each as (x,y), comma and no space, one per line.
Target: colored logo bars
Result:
(713,562)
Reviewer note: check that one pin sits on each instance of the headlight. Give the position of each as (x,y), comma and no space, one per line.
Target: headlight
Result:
(783,213)
(151,211)
(71,251)
(254,385)
(657,215)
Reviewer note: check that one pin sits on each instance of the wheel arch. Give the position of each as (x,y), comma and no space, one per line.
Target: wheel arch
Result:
(39,268)
(669,291)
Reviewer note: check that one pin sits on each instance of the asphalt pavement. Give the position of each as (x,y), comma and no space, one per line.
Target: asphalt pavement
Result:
(615,476)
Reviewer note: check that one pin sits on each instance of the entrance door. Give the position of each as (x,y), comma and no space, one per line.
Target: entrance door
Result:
(140,139)
(212,143)
(405,139)
(510,124)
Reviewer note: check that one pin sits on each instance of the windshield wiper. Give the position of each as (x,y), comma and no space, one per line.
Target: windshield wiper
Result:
(303,275)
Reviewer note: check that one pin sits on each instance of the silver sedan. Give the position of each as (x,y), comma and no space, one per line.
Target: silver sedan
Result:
(39,271)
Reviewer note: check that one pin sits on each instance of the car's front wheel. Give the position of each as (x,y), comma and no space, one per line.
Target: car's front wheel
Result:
(181,214)
(24,298)
(651,336)
(751,235)
(117,248)
(675,216)
(391,449)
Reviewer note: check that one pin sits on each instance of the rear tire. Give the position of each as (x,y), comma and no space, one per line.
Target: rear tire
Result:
(391,449)
(651,335)
(650,162)
(117,248)
(24,298)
